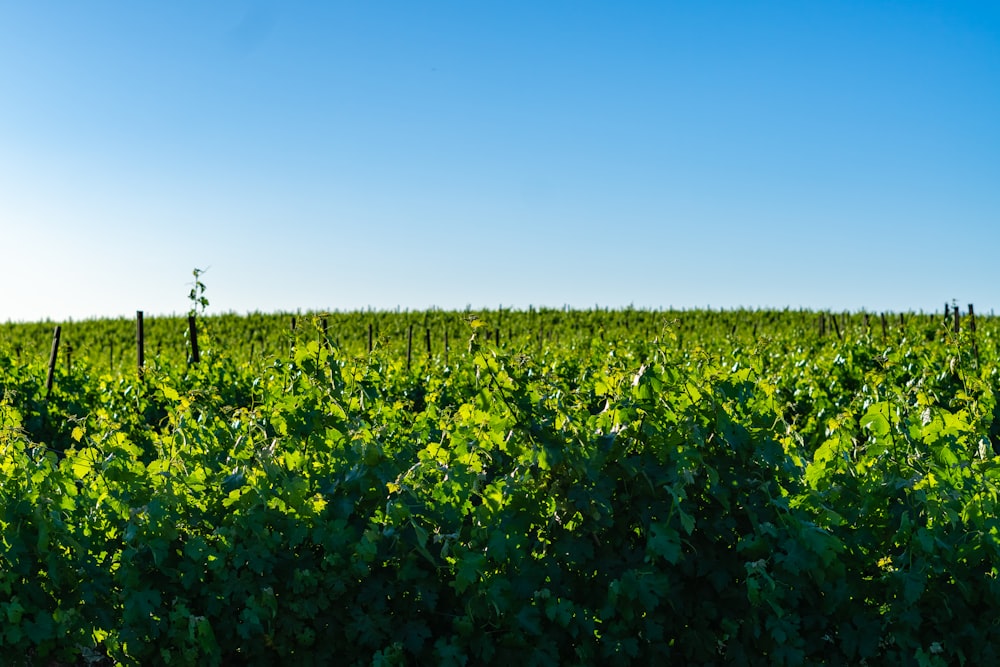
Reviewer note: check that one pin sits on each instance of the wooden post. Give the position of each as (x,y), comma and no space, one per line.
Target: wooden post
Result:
(883,327)
(947,313)
(836,327)
(369,338)
(326,333)
(193,329)
(53,357)
(955,328)
(822,325)
(69,357)
(409,346)
(427,339)
(446,345)
(497,337)
(972,332)
(140,342)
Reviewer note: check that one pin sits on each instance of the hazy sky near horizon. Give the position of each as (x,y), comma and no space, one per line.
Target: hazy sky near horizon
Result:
(347,154)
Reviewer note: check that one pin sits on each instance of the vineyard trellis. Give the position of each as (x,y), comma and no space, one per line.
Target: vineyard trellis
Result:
(732,486)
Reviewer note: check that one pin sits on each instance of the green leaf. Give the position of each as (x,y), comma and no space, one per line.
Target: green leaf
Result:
(875,420)
(529,619)
(663,542)
(470,567)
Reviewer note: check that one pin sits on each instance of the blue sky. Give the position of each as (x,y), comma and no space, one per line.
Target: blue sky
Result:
(313,155)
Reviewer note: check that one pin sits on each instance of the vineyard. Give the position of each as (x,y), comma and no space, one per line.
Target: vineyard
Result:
(491,487)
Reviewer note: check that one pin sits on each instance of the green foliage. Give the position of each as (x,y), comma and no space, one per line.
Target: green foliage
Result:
(199,302)
(631,488)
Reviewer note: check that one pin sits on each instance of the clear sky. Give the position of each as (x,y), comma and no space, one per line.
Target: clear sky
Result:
(345,154)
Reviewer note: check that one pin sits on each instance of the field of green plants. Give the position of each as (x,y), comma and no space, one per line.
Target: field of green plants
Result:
(472,488)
